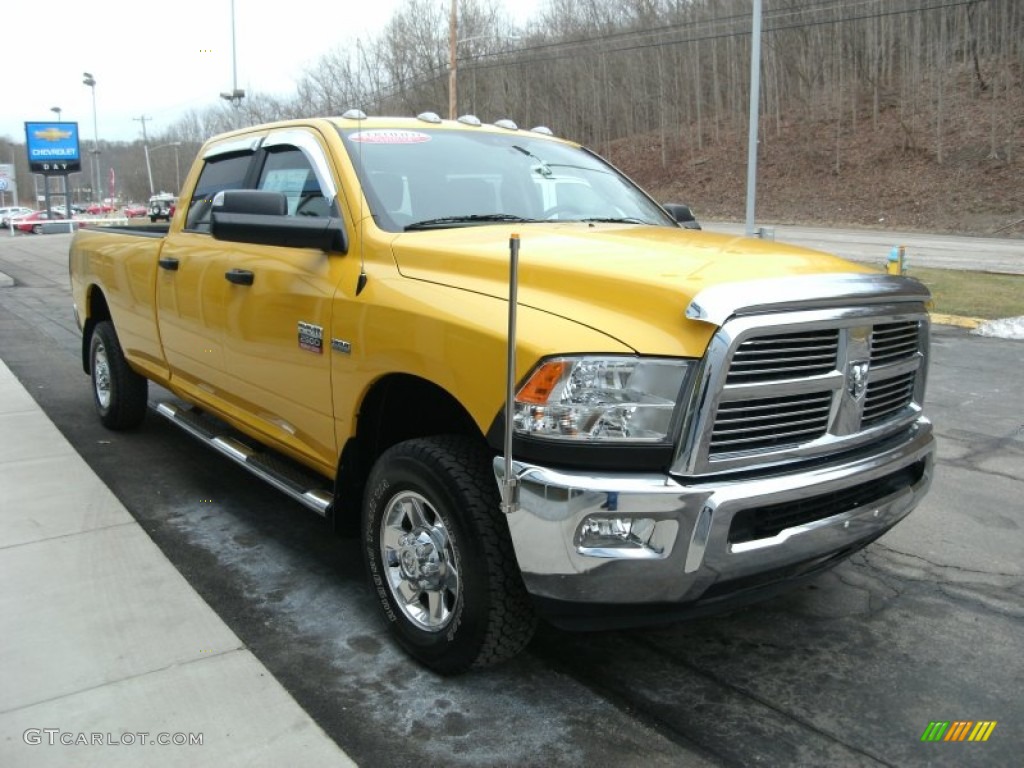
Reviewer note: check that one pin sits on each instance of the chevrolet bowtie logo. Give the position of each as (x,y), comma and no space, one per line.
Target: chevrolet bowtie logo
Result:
(53,134)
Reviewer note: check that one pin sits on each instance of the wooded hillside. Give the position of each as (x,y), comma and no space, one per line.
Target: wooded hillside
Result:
(901,113)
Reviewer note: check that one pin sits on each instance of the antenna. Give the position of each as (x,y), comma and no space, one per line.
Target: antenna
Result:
(510,483)
(361,280)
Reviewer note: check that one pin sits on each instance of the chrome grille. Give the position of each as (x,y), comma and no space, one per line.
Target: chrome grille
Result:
(807,389)
(891,342)
(784,356)
(746,425)
(888,397)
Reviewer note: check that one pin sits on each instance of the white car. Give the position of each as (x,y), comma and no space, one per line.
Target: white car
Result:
(12,212)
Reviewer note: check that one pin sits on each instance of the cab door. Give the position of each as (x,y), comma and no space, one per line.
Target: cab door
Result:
(277,312)
(190,285)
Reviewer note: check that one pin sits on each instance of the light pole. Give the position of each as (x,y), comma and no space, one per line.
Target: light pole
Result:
(177,172)
(56,111)
(145,147)
(235,95)
(89,80)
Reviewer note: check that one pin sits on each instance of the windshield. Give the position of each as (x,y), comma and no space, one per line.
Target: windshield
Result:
(429,179)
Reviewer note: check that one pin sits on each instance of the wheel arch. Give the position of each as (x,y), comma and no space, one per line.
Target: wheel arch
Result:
(397,407)
(96,311)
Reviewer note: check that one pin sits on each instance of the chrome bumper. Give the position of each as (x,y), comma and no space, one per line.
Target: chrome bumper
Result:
(686,530)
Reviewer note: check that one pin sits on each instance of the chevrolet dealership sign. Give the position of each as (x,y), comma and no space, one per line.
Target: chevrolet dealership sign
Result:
(53,147)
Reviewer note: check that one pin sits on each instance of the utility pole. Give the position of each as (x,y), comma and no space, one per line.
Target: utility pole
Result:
(453,28)
(145,146)
(755,93)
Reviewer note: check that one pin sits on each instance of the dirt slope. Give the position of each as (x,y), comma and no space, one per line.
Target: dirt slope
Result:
(889,177)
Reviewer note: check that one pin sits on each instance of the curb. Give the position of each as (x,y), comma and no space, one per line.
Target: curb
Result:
(958,321)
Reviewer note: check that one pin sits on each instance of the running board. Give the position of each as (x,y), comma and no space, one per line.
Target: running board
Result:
(278,472)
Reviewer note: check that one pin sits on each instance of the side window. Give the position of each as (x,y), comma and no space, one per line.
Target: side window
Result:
(219,173)
(288,170)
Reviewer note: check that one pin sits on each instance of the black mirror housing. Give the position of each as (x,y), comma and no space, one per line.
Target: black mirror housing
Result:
(261,217)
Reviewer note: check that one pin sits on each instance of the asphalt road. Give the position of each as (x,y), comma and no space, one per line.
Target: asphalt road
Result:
(868,246)
(925,624)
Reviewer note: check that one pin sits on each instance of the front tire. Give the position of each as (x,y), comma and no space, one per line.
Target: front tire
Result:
(119,393)
(439,556)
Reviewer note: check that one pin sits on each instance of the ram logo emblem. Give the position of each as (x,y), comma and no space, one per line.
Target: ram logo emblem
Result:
(857,378)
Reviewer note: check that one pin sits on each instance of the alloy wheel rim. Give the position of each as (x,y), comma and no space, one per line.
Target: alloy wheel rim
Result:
(420,562)
(101,375)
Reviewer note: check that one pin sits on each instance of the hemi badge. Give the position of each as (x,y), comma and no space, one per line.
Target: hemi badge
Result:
(311,337)
(341,346)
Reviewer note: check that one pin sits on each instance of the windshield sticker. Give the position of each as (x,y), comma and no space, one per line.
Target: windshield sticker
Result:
(389,136)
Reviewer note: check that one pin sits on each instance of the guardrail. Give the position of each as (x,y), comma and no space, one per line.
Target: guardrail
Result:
(61,226)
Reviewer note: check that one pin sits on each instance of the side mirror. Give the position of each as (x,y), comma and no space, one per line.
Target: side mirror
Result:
(261,217)
(683,215)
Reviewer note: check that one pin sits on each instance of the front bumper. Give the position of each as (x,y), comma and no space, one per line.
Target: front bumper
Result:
(695,554)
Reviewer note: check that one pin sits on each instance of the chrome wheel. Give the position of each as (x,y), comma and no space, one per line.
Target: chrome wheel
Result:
(101,375)
(420,561)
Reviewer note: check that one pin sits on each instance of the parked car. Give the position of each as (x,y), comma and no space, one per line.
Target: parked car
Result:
(134,210)
(162,206)
(99,208)
(12,212)
(33,222)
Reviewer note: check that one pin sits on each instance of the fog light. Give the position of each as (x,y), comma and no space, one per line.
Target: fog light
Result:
(608,536)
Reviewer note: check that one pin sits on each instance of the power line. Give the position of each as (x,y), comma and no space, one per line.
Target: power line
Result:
(568,50)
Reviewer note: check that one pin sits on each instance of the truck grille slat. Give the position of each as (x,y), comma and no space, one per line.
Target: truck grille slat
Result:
(891,342)
(784,356)
(770,422)
(887,397)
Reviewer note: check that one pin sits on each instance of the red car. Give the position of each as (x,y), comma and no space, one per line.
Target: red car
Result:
(134,210)
(97,208)
(33,222)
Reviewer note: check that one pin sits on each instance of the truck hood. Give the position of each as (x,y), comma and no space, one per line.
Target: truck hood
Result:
(632,283)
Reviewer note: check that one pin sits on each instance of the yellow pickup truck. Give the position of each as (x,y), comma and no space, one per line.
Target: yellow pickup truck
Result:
(670,422)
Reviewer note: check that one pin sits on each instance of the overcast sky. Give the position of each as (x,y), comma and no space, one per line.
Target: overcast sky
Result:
(160,58)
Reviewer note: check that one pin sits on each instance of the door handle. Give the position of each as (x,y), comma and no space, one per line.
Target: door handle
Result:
(169,264)
(239,276)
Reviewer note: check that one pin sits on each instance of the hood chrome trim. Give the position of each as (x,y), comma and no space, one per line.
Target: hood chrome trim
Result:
(718,303)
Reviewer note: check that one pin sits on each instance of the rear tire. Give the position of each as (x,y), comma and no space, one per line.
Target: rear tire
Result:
(119,393)
(439,556)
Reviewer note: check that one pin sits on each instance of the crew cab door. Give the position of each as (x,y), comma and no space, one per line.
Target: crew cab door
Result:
(278,307)
(191,288)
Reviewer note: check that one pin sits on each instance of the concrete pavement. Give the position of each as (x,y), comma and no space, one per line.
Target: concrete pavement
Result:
(100,634)
(107,655)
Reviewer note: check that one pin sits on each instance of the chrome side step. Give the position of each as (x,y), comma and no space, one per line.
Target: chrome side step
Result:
(278,472)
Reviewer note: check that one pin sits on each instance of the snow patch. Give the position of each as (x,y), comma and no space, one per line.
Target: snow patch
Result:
(1006,328)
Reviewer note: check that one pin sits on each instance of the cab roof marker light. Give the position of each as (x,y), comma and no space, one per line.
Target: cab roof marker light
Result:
(354,114)
(429,117)
(470,120)
(507,125)
(542,129)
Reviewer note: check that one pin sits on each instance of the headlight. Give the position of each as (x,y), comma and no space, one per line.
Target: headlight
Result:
(624,399)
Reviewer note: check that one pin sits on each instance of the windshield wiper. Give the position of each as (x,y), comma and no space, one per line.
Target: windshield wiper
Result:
(476,218)
(610,220)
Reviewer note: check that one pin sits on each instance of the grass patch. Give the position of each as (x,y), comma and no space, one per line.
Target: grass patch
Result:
(973,294)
